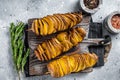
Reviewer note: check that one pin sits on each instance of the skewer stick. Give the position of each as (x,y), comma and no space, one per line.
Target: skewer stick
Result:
(32,28)
(47,73)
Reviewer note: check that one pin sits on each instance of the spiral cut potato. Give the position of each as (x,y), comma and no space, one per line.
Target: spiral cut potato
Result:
(71,63)
(61,43)
(54,23)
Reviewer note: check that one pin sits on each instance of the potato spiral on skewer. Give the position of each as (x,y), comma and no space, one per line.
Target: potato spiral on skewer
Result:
(63,42)
(54,23)
(71,63)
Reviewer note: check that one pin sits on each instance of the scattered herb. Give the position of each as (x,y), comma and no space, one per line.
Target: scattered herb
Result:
(17,44)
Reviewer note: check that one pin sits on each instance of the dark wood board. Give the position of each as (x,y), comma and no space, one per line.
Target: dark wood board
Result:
(34,67)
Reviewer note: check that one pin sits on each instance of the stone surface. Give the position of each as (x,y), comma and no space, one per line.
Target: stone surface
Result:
(22,10)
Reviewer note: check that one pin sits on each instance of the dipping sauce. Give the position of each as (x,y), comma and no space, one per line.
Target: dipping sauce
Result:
(91,4)
(115,21)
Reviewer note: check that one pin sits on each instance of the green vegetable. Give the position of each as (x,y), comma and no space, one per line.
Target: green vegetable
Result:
(17,43)
(19,59)
(24,59)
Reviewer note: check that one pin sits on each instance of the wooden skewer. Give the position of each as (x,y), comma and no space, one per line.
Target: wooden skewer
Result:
(32,28)
(47,73)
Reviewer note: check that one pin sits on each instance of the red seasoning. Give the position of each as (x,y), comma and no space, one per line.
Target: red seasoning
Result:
(116,21)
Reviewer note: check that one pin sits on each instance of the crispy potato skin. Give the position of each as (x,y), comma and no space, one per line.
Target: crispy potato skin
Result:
(63,42)
(53,23)
(71,63)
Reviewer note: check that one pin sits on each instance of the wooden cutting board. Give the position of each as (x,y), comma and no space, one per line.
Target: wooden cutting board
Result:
(34,67)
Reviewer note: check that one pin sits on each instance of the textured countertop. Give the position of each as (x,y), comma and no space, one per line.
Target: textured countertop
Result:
(15,10)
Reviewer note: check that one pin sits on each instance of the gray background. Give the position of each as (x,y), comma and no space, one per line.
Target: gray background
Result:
(12,10)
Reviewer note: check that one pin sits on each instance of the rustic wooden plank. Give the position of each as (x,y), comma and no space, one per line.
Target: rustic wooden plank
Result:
(35,66)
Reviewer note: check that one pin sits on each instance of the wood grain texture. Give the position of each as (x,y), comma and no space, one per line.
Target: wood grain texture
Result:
(35,67)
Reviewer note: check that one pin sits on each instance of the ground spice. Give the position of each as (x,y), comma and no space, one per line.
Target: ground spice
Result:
(115,21)
(91,4)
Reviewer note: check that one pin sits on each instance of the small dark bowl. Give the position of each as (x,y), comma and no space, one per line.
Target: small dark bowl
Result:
(108,24)
(87,10)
